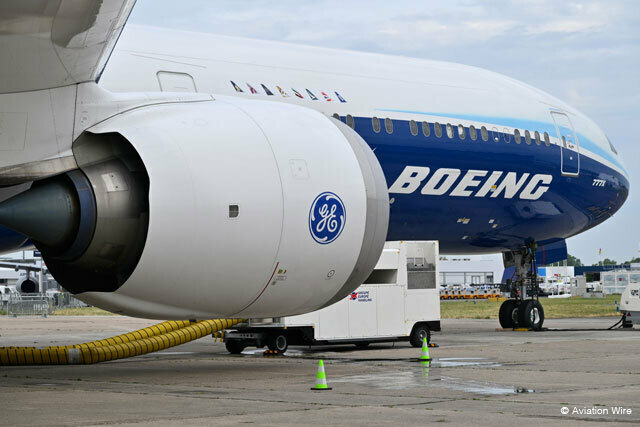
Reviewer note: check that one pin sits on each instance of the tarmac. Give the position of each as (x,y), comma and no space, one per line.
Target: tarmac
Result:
(479,376)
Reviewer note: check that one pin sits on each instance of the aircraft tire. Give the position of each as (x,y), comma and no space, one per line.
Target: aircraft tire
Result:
(531,315)
(505,315)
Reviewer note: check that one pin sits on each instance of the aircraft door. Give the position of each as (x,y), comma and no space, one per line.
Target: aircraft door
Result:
(175,82)
(569,149)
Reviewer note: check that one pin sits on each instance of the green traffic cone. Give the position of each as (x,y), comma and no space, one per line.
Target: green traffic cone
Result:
(424,357)
(321,378)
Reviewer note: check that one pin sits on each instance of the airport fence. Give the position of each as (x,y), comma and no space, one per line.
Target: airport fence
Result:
(29,305)
(66,300)
(39,304)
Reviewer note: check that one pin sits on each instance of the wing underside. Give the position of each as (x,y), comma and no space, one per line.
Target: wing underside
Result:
(53,43)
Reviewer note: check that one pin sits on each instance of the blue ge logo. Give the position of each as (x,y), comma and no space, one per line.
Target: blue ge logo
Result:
(326,218)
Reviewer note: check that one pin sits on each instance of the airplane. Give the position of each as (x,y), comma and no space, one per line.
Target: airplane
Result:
(131,160)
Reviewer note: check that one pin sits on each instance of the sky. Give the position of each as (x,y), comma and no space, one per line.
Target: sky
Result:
(586,53)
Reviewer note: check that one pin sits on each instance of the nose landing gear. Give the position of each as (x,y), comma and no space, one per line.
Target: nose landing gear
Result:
(522,310)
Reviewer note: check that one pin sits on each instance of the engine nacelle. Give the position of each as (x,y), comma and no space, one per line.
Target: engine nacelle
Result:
(221,208)
(26,285)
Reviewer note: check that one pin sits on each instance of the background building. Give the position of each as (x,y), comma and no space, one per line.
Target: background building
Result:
(461,270)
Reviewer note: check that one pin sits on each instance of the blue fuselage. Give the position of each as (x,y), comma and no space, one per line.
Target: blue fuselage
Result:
(483,224)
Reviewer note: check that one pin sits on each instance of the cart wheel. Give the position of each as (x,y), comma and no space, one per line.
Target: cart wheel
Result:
(418,334)
(278,342)
(234,346)
(362,344)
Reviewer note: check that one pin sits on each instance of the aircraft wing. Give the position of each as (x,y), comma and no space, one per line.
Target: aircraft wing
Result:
(52,43)
(20,266)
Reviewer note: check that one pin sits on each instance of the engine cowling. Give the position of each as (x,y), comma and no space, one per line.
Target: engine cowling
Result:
(221,208)
(26,285)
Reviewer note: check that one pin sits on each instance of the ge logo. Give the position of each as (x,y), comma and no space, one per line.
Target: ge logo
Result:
(564,410)
(326,218)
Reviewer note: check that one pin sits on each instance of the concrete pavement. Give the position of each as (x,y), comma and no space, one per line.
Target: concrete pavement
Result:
(478,376)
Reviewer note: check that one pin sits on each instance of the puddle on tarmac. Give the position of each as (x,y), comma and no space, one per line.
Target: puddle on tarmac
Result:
(391,381)
(479,387)
(426,377)
(260,351)
(453,362)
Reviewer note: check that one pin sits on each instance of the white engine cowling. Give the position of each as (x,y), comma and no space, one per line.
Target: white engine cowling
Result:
(255,209)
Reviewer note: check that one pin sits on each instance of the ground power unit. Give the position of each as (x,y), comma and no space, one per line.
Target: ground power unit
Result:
(399,301)
(630,305)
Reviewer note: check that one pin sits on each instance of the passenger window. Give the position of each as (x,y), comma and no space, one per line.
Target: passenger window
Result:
(546,139)
(506,135)
(461,133)
(527,137)
(496,134)
(437,129)
(472,133)
(388,125)
(537,135)
(376,124)
(414,127)
(518,138)
(484,133)
(426,130)
(449,131)
(336,116)
(350,121)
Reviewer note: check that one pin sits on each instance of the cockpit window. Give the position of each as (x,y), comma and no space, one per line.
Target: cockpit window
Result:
(612,147)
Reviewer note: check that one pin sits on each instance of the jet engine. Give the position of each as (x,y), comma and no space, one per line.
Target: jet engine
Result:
(27,285)
(214,208)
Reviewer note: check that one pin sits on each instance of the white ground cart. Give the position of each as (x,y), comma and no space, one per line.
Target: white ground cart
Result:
(400,301)
(630,305)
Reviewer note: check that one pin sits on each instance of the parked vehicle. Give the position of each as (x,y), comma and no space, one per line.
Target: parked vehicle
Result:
(398,302)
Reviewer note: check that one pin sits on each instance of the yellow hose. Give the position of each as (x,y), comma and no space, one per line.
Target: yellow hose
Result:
(142,341)
(148,332)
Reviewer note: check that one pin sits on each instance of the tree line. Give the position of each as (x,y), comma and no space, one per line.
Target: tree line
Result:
(575,262)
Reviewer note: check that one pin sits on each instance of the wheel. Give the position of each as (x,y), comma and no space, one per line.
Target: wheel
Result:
(626,323)
(532,315)
(234,346)
(362,344)
(418,334)
(278,342)
(508,314)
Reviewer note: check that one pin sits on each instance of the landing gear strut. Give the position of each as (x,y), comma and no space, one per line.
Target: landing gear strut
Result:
(522,310)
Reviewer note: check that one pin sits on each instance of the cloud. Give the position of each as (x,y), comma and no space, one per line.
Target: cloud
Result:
(441,33)
(565,26)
